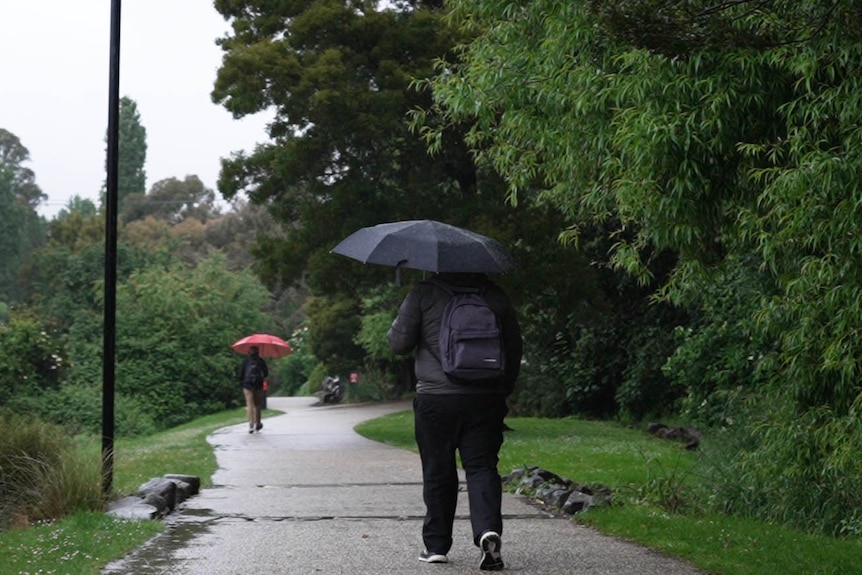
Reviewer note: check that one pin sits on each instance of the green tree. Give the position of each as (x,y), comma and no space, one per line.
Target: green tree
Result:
(21,229)
(77,204)
(172,200)
(132,153)
(337,78)
(13,156)
(173,339)
(714,131)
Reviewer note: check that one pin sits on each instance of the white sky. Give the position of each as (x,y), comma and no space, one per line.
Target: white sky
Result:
(54,72)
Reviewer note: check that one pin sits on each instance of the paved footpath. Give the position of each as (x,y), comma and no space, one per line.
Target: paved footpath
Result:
(309,495)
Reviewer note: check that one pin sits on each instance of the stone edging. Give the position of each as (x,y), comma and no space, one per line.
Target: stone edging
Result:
(157,497)
(561,495)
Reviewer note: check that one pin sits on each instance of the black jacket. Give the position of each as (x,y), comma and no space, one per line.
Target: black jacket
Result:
(417,326)
(263,370)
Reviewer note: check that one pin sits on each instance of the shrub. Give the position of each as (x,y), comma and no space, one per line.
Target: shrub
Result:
(78,409)
(31,357)
(538,394)
(374,384)
(312,385)
(41,475)
(779,465)
(295,369)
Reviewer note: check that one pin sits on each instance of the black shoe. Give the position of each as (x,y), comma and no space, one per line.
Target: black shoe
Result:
(490,544)
(251,429)
(431,557)
(258,427)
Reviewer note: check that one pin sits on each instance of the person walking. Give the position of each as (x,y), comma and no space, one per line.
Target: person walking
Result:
(252,373)
(452,414)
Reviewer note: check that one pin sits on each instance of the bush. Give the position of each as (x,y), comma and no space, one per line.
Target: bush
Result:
(538,394)
(78,409)
(779,465)
(295,369)
(312,385)
(41,475)
(374,385)
(31,357)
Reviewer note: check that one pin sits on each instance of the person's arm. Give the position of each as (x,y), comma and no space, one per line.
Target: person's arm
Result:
(404,333)
(264,369)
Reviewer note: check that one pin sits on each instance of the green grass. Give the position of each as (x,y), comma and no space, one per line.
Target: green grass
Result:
(182,449)
(80,544)
(643,469)
(85,542)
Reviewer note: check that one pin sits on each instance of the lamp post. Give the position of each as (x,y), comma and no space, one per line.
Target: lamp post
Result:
(109,333)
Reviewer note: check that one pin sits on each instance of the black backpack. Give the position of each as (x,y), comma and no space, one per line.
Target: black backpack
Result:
(471,337)
(253,376)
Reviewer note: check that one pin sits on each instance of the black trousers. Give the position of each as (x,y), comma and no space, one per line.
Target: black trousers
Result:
(472,425)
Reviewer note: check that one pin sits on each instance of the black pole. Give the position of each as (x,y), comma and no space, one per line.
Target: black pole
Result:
(109,337)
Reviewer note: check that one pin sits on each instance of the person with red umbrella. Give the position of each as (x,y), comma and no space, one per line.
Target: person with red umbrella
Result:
(252,373)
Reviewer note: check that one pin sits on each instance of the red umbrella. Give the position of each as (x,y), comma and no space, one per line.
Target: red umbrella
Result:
(269,345)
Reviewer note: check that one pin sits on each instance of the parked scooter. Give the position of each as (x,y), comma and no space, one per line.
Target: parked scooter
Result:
(333,389)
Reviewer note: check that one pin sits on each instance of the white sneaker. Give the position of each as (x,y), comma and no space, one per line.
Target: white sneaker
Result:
(490,544)
(431,557)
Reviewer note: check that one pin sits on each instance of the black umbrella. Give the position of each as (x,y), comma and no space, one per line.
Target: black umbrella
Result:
(426,245)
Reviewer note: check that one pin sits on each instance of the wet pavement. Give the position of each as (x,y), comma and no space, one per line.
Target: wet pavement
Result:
(310,495)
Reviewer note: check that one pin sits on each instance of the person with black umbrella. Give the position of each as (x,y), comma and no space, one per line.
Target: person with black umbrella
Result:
(460,413)
(466,365)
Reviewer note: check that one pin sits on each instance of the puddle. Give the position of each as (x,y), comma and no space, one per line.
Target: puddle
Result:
(157,556)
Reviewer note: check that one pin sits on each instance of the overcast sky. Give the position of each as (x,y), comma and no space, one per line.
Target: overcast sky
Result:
(54,72)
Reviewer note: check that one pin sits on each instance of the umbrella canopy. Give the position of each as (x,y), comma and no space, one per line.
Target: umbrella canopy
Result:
(427,245)
(269,345)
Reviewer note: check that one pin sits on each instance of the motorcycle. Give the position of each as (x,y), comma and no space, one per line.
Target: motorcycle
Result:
(333,389)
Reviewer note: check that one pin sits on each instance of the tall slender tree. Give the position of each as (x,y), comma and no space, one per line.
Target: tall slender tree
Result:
(131,176)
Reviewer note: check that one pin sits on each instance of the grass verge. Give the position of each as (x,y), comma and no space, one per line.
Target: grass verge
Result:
(85,542)
(643,471)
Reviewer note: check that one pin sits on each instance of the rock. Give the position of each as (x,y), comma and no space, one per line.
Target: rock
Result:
(531,481)
(184,490)
(577,502)
(515,475)
(157,501)
(132,508)
(156,498)
(558,493)
(553,495)
(690,435)
(161,486)
(193,481)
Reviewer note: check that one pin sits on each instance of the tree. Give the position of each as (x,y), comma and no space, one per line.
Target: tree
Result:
(77,204)
(172,200)
(175,334)
(715,131)
(132,154)
(338,78)
(13,156)
(21,228)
